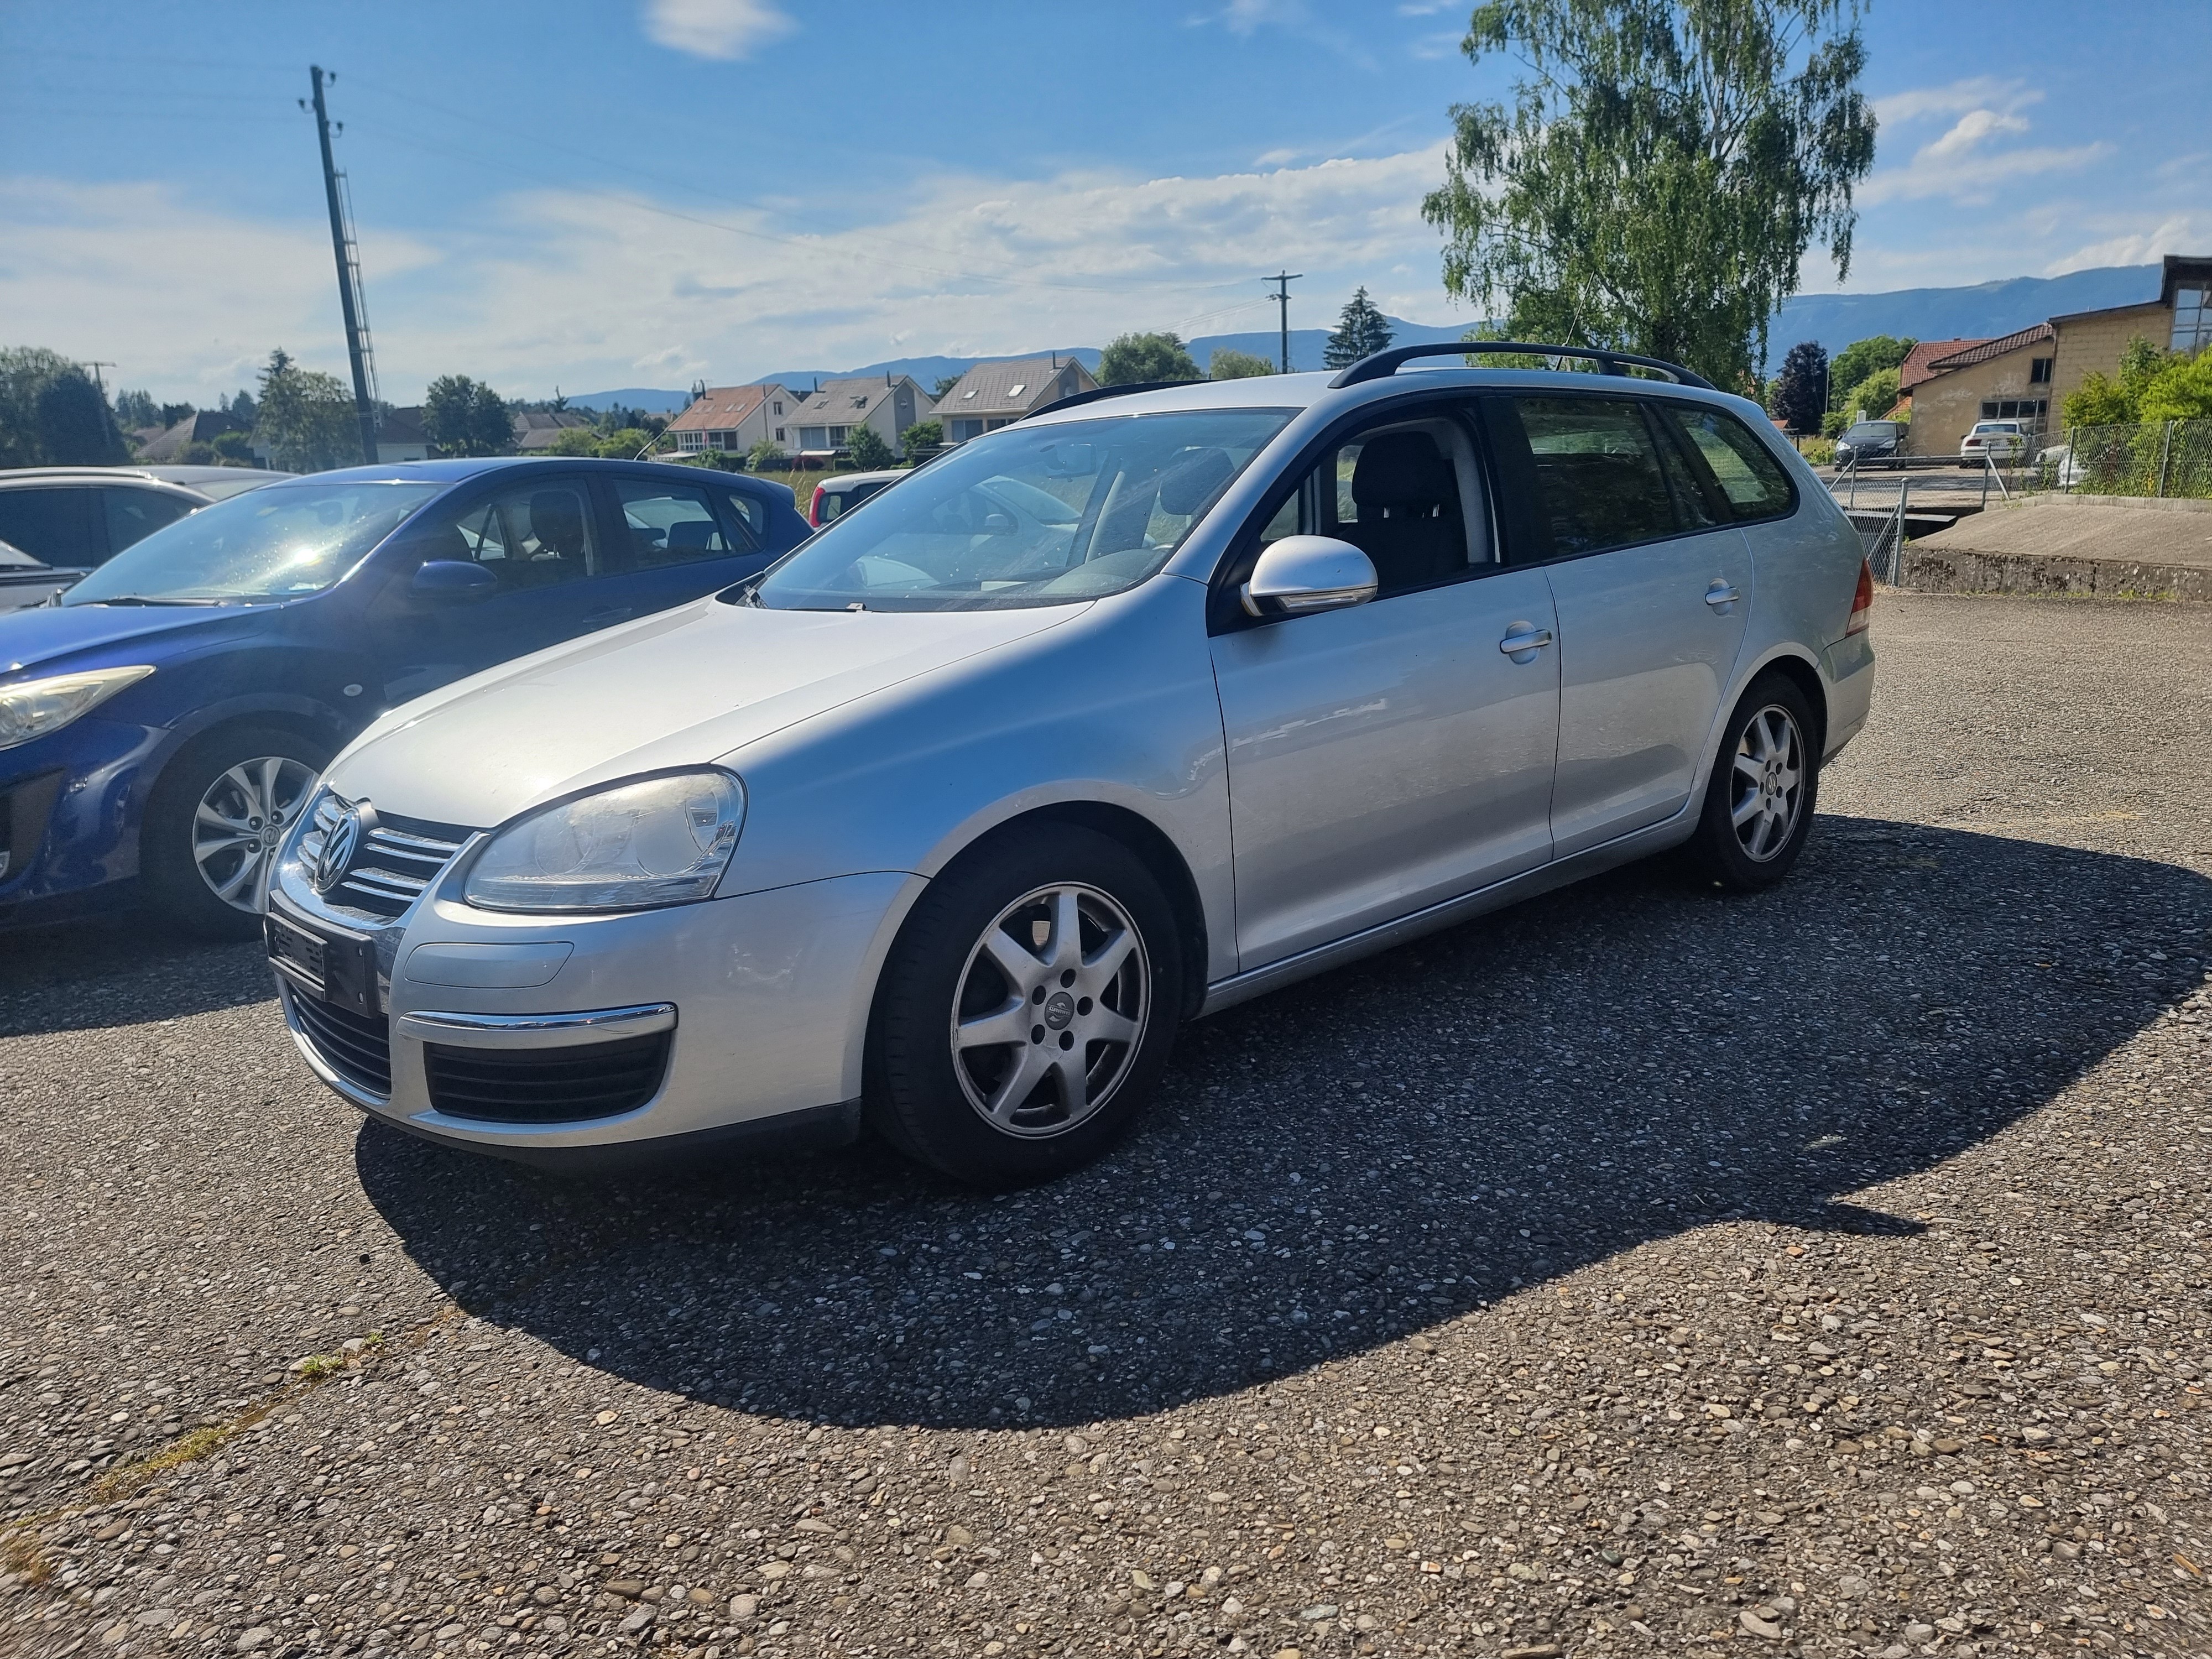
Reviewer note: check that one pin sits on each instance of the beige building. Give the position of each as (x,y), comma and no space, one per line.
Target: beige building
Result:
(996,394)
(733,419)
(2007,378)
(822,421)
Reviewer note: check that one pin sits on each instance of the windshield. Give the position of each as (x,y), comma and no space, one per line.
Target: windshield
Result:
(1028,516)
(275,542)
(1873,432)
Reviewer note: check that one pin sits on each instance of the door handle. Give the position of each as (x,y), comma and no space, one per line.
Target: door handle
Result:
(1524,636)
(1721,594)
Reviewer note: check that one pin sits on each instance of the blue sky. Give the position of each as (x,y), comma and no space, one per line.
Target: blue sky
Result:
(625,192)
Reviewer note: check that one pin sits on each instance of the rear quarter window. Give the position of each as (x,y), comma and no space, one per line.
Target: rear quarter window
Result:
(1748,475)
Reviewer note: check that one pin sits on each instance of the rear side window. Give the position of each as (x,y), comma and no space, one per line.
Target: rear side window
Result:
(1599,480)
(751,513)
(1750,479)
(134,514)
(51,526)
(670,524)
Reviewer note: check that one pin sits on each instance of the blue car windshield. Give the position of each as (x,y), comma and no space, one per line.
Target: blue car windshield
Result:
(1028,516)
(275,542)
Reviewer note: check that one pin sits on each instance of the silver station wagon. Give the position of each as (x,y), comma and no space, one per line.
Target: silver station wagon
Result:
(1152,702)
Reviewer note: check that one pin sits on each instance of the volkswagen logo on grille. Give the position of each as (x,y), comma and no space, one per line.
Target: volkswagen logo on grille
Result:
(341,844)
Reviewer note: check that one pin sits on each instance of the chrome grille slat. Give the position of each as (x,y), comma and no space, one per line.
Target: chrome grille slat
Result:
(398,861)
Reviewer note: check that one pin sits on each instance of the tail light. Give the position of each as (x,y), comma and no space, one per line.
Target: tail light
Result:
(814,508)
(1861,602)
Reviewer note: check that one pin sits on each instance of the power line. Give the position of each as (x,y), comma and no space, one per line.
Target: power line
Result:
(1283,279)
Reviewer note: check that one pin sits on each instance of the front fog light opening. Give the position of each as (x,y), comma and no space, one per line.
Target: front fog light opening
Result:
(636,845)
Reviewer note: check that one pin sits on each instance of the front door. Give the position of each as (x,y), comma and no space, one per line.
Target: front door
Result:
(1386,757)
(541,539)
(1652,590)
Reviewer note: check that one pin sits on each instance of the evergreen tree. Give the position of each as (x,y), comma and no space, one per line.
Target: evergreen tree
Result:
(1360,333)
(1801,389)
(304,418)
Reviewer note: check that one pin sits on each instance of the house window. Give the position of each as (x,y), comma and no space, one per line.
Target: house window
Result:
(778,410)
(725,441)
(859,403)
(2015,409)
(813,437)
(779,434)
(691,442)
(2039,371)
(1020,386)
(838,434)
(2193,319)
(962,430)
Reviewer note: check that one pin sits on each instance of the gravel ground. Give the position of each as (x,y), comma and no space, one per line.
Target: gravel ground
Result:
(1634,1272)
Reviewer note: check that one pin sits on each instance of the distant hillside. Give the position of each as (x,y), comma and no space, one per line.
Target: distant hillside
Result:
(653,400)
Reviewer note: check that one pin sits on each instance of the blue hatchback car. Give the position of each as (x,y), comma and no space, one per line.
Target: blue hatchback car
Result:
(162,721)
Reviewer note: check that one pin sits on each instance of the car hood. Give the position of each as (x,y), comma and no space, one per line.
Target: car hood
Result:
(46,636)
(682,688)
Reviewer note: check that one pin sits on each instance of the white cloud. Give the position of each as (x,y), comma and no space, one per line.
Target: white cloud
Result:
(967,265)
(2177,233)
(723,29)
(1970,129)
(1981,92)
(1966,162)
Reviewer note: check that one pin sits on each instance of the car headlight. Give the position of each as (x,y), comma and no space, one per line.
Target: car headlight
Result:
(32,709)
(629,847)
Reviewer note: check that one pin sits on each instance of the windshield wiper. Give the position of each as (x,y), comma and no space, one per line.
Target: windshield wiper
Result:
(147,598)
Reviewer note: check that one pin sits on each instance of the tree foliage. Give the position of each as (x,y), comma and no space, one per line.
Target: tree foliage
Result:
(305,419)
(1877,394)
(464,416)
(922,434)
(134,409)
(51,413)
(2151,384)
(944,384)
(1227,363)
(1360,332)
(574,440)
(870,452)
(767,455)
(1801,390)
(1663,167)
(1135,359)
(1862,358)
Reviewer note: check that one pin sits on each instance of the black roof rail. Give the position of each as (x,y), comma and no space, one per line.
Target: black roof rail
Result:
(1098,393)
(1381,365)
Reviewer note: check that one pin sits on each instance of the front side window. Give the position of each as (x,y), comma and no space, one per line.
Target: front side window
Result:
(53,525)
(1599,480)
(134,514)
(670,524)
(1750,478)
(1408,495)
(538,537)
(275,543)
(1034,515)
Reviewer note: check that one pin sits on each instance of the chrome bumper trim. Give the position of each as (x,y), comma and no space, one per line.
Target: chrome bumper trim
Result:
(537,1030)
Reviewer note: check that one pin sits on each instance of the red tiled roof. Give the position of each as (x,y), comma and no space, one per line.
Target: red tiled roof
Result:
(1917,368)
(721,408)
(1988,349)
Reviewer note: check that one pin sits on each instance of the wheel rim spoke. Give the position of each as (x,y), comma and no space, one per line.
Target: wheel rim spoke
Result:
(1021,969)
(228,848)
(1753,806)
(1074,1081)
(1101,966)
(1009,1024)
(1105,1025)
(1067,946)
(1020,1080)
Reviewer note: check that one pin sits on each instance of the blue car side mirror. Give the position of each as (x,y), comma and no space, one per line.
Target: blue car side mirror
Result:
(452,580)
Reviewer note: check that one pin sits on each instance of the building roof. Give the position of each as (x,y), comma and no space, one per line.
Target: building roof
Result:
(536,429)
(850,402)
(1983,350)
(2194,269)
(722,407)
(202,426)
(402,426)
(1917,364)
(1011,386)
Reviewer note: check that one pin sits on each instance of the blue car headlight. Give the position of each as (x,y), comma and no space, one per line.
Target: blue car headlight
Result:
(33,709)
(632,846)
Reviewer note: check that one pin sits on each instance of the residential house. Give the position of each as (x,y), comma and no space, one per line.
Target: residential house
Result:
(399,436)
(2007,378)
(167,447)
(733,419)
(535,429)
(996,394)
(2179,319)
(824,420)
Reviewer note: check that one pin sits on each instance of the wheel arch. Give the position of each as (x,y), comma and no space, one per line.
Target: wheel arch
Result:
(1803,672)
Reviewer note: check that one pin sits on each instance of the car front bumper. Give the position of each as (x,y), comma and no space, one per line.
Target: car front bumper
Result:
(69,809)
(734,1020)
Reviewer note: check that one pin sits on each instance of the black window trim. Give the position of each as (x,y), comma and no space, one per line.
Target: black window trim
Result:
(1225,614)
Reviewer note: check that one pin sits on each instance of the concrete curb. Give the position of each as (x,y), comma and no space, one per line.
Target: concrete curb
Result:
(1963,570)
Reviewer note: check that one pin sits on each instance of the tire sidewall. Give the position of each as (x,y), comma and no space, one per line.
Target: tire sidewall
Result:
(173,883)
(1718,851)
(914,1096)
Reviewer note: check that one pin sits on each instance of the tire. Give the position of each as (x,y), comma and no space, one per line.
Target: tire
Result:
(239,774)
(984,950)
(1764,785)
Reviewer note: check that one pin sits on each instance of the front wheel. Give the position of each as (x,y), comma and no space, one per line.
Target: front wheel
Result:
(215,820)
(1027,1010)
(1759,800)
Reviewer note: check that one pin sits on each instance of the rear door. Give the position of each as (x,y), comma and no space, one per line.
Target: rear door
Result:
(1653,585)
(681,540)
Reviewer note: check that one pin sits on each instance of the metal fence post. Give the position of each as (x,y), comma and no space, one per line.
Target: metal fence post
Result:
(2165,455)
(2071,466)
(1896,541)
(1853,470)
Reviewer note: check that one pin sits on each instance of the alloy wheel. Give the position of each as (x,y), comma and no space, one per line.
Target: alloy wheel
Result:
(240,820)
(1768,783)
(1051,1010)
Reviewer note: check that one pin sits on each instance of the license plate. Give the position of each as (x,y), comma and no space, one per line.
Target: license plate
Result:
(339,968)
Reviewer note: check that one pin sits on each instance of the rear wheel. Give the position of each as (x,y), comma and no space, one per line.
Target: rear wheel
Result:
(215,820)
(1759,800)
(1027,1010)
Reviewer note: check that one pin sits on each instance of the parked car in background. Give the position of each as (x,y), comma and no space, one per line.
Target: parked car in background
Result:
(25,581)
(841,494)
(2001,441)
(75,518)
(1869,444)
(218,483)
(1121,712)
(161,723)
(2059,469)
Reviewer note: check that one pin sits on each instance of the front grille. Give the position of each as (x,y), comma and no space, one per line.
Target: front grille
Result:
(358,1049)
(546,1086)
(401,857)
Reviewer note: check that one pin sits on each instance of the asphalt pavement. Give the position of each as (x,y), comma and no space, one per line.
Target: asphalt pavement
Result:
(1634,1272)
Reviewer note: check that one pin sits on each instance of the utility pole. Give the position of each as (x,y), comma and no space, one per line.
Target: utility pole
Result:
(348,280)
(1283,279)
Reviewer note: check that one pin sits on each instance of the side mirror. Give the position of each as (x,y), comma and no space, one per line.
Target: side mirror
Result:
(452,581)
(1300,574)
(998,524)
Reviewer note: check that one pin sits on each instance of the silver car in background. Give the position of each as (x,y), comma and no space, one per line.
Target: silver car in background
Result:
(947,822)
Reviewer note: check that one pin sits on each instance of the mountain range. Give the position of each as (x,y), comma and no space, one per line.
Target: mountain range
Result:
(1982,311)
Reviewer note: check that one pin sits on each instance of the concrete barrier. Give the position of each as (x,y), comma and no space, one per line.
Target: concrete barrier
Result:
(2109,547)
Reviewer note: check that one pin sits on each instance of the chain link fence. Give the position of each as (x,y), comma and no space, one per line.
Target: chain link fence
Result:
(2149,458)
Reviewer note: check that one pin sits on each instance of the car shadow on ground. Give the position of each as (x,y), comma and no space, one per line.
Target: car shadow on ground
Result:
(116,970)
(1348,1162)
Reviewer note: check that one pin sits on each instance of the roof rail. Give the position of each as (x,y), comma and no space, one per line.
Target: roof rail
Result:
(1381,365)
(1098,392)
